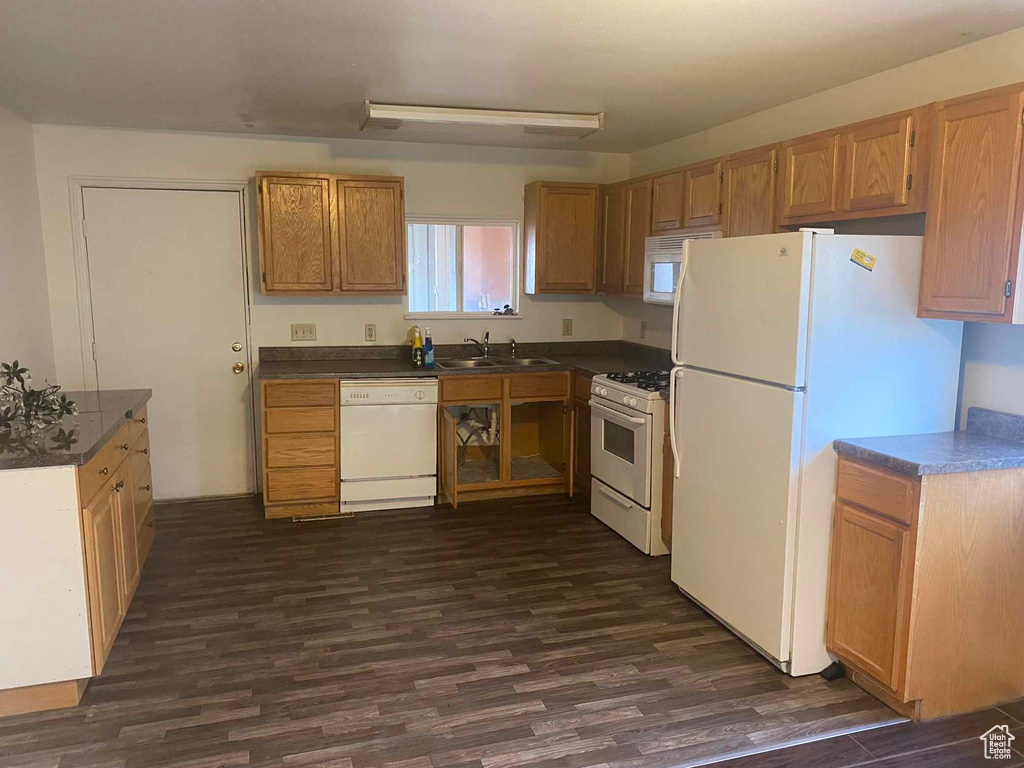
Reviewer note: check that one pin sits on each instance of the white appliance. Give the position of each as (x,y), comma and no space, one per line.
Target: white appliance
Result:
(388,444)
(663,261)
(627,438)
(782,344)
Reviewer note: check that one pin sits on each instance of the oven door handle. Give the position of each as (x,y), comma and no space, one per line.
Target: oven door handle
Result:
(616,416)
(612,498)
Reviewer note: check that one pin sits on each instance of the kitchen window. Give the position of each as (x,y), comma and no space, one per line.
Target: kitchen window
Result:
(461,267)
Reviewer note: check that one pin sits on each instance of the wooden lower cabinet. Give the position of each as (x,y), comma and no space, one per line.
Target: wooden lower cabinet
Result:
(581,433)
(926,609)
(103,567)
(301,430)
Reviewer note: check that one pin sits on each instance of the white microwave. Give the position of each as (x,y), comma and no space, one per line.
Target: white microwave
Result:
(663,261)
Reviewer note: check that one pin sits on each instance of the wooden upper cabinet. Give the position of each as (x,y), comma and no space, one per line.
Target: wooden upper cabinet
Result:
(324,234)
(667,202)
(973,231)
(371,235)
(702,195)
(877,163)
(613,239)
(748,193)
(810,171)
(638,228)
(295,234)
(561,237)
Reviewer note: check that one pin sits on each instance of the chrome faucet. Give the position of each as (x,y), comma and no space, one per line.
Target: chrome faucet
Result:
(485,346)
(512,343)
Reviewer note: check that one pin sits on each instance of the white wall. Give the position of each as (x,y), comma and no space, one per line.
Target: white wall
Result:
(440,179)
(993,355)
(24,306)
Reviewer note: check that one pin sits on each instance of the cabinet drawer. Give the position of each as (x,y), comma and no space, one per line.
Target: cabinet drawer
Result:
(460,389)
(581,388)
(888,494)
(300,451)
(300,420)
(121,445)
(93,475)
(142,490)
(554,385)
(288,394)
(140,454)
(300,484)
(145,534)
(301,510)
(138,424)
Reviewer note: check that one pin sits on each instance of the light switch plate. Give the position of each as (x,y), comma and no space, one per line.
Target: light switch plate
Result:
(303,331)
(567,327)
(370,332)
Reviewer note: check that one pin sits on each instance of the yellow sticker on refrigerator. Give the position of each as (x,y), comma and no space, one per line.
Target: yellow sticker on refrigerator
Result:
(863,259)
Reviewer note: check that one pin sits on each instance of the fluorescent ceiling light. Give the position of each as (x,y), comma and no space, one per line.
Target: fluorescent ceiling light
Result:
(555,123)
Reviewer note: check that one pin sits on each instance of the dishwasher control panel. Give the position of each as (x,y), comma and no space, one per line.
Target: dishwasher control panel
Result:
(388,392)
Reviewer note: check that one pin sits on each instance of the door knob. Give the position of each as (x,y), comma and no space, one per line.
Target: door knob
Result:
(237,367)
(236,347)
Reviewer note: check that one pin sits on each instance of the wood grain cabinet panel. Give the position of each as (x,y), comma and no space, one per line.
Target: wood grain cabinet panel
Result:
(561,234)
(877,164)
(145,534)
(702,195)
(888,494)
(469,389)
(581,453)
(138,424)
(284,451)
(667,202)
(103,572)
(637,230)
(748,193)
(291,394)
(371,236)
(295,234)
(973,231)
(278,420)
(810,176)
(613,239)
(124,503)
(539,385)
(300,484)
(140,454)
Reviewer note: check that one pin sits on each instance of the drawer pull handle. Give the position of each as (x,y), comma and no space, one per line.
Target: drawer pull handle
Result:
(104,471)
(124,446)
(143,487)
(119,485)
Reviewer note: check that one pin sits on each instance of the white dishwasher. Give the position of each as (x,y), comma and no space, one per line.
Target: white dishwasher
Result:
(388,443)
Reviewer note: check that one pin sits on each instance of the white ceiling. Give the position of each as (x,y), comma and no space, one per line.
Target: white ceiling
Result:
(658,69)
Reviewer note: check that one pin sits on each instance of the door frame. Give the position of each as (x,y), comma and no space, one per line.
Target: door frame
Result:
(83,287)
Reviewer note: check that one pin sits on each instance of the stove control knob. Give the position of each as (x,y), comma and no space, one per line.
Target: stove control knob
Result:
(602,391)
(632,401)
(420,394)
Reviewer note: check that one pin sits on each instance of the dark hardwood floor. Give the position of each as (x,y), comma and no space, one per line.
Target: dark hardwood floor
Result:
(501,634)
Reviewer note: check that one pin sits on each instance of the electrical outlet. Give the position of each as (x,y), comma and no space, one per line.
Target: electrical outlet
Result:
(567,327)
(303,331)
(643,329)
(369,332)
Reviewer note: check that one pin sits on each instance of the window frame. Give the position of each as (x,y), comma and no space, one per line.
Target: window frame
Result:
(460,222)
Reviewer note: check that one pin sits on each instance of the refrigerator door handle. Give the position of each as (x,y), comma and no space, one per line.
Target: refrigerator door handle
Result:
(675,305)
(673,439)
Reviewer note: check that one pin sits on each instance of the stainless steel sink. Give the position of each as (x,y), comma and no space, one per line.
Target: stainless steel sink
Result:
(523,361)
(470,362)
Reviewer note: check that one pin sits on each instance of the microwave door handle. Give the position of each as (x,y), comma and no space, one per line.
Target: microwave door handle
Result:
(676,301)
(616,416)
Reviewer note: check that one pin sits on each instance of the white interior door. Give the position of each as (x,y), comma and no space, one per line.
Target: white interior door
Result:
(735,502)
(166,275)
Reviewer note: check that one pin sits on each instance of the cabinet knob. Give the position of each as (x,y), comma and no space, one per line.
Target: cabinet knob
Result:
(124,446)
(150,523)
(143,487)
(144,451)
(104,471)
(119,485)
(141,421)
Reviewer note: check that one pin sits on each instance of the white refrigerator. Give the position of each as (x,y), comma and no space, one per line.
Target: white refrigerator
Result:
(783,343)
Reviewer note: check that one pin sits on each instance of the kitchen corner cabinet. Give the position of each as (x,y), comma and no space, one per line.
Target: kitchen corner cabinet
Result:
(532,450)
(971,266)
(331,234)
(561,237)
(625,226)
(748,192)
(300,431)
(925,606)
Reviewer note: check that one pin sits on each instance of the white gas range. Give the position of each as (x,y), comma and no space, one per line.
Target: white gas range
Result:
(627,439)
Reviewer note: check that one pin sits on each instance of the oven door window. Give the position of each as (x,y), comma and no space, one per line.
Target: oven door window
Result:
(619,441)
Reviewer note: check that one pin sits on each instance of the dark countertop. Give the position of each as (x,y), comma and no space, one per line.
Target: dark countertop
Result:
(985,444)
(392,362)
(100,415)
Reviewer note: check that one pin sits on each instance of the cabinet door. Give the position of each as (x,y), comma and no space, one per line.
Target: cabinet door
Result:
(449,457)
(702,195)
(973,229)
(295,234)
(124,512)
(869,591)
(371,236)
(748,193)
(877,165)
(103,573)
(581,451)
(567,262)
(638,227)
(809,176)
(667,202)
(613,242)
